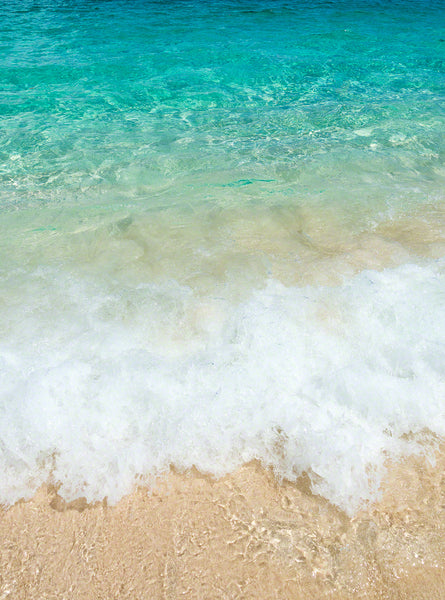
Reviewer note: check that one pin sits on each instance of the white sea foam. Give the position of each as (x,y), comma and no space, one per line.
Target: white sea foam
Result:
(101,383)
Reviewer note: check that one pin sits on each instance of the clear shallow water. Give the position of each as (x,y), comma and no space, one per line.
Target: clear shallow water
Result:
(222,231)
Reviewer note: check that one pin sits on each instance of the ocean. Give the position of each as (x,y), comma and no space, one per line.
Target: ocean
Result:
(222,241)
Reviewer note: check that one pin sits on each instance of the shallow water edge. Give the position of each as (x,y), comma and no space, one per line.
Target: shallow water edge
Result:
(245,535)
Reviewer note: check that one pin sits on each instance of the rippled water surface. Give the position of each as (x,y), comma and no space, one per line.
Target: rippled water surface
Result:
(222,239)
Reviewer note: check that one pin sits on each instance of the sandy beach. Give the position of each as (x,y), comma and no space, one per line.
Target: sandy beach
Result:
(222,292)
(245,535)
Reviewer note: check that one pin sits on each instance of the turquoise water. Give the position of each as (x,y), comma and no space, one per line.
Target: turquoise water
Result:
(145,102)
(175,179)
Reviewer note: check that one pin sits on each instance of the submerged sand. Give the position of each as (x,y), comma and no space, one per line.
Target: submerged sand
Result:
(243,536)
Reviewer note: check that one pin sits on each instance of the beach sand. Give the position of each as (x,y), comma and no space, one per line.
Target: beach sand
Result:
(245,535)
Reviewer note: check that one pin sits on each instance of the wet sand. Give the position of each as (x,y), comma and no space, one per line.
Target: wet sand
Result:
(243,536)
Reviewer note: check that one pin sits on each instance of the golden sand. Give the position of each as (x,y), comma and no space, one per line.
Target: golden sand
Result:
(243,536)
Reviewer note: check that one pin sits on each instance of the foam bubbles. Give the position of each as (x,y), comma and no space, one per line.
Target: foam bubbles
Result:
(101,384)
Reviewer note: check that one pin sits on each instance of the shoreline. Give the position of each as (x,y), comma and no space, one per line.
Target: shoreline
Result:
(245,535)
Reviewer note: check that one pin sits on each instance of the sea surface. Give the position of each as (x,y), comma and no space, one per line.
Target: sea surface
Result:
(222,238)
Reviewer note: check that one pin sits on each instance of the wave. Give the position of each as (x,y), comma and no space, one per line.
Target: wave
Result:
(103,384)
